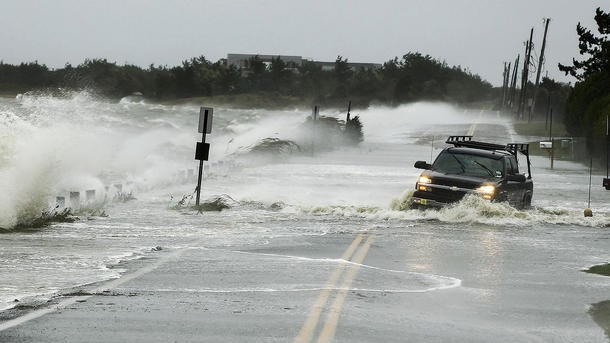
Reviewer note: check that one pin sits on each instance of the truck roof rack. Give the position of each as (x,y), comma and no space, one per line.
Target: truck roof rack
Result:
(467,142)
(513,148)
(523,148)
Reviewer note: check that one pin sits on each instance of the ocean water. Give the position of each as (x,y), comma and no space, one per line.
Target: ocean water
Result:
(51,146)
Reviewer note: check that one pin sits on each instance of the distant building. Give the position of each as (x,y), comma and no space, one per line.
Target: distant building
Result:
(241,61)
(292,62)
(327,66)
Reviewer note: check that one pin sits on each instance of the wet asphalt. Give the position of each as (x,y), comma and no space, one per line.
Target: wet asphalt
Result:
(428,282)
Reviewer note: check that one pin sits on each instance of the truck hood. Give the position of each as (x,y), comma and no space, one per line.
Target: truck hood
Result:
(461,181)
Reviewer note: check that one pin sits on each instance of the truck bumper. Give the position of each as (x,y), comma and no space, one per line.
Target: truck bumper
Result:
(417,202)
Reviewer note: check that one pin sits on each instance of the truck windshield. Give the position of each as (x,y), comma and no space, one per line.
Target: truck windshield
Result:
(470,165)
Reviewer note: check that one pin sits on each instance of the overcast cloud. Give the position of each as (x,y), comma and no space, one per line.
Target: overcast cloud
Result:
(479,35)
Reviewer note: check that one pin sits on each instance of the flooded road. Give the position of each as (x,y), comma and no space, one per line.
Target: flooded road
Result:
(259,269)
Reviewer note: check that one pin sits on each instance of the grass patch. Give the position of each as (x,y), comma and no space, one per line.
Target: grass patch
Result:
(537,128)
(45,219)
(602,269)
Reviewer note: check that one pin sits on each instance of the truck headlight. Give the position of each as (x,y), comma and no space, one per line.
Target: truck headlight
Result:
(424,179)
(487,191)
(422,182)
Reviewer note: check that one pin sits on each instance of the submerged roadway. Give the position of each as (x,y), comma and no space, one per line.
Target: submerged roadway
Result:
(426,283)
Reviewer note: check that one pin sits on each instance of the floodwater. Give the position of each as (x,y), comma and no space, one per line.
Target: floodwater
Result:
(52,146)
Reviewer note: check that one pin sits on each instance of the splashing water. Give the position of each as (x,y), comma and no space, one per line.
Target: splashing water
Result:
(50,146)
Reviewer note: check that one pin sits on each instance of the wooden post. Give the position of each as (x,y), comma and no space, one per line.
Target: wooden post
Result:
(75,200)
(90,196)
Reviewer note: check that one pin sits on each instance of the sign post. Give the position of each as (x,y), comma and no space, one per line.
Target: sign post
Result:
(202,150)
(606,182)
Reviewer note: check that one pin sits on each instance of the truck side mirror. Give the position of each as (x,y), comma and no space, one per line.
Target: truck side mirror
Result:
(422,165)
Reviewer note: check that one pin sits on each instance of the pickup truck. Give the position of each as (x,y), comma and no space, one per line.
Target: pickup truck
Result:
(488,170)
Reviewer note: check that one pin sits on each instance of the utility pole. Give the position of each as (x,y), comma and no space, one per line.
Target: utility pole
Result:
(505,79)
(508,81)
(513,86)
(540,63)
(525,75)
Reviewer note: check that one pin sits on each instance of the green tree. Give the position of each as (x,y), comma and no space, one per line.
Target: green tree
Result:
(414,77)
(589,102)
(256,70)
(312,81)
(228,80)
(595,48)
(342,74)
(281,76)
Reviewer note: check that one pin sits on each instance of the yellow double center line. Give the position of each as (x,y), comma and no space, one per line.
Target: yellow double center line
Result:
(473,127)
(327,332)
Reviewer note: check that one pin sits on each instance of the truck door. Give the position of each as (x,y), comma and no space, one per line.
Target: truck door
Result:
(515,190)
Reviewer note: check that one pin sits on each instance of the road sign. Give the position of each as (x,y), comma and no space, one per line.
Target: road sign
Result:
(205,119)
(202,151)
